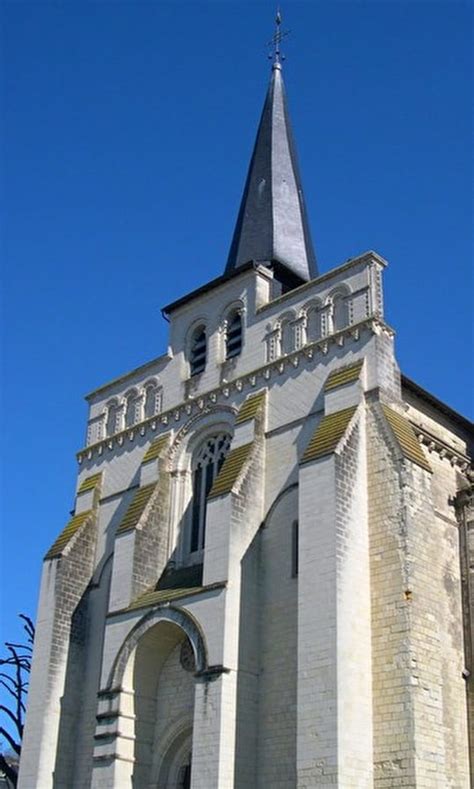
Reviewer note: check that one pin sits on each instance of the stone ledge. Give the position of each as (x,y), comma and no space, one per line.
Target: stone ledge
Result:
(198,404)
(162,598)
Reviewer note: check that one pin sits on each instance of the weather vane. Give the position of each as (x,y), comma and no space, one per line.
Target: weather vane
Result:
(275,42)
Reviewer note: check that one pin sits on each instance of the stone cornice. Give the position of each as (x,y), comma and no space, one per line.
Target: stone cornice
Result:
(165,357)
(257,377)
(366,257)
(174,594)
(439,447)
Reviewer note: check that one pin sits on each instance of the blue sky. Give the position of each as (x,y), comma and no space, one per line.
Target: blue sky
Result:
(128,128)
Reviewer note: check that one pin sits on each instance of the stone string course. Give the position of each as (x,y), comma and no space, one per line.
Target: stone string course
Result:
(350,667)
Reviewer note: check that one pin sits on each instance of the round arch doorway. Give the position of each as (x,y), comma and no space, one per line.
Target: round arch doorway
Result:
(175,769)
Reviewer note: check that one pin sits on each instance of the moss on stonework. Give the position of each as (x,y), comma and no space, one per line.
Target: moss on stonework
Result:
(231,469)
(90,482)
(67,534)
(328,433)
(156,448)
(172,585)
(136,508)
(153,597)
(406,437)
(250,407)
(343,375)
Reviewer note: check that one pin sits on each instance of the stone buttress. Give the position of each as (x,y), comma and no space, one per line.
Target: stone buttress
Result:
(267,578)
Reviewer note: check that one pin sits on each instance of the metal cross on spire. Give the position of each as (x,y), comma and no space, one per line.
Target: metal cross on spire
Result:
(275,41)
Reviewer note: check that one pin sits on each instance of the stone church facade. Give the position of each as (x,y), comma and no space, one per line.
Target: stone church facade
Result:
(268,577)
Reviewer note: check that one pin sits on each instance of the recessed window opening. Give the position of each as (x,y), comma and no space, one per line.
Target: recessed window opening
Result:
(132,412)
(153,394)
(207,464)
(234,336)
(198,351)
(112,424)
(313,326)
(340,317)
(287,337)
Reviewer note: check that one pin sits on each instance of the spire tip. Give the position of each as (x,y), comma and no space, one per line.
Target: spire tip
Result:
(276,56)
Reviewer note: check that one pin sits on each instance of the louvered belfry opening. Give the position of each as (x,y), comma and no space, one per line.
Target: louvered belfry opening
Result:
(234,336)
(198,351)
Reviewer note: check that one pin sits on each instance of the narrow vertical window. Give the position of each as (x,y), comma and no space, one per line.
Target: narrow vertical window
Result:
(287,340)
(131,408)
(153,395)
(233,340)
(340,317)
(313,324)
(197,361)
(207,464)
(294,549)
(112,425)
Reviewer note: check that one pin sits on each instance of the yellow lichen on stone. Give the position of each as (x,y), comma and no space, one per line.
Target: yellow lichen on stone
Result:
(406,437)
(231,470)
(343,375)
(250,407)
(67,534)
(156,448)
(155,596)
(90,482)
(328,433)
(136,508)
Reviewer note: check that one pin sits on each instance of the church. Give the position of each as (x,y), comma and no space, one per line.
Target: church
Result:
(267,580)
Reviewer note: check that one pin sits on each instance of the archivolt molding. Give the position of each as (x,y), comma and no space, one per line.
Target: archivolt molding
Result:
(339,290)
(132,392)
(210,419)
(286,317)
(180,734)
(167,613)
(213,401)
(201,320)
(235,306)
(313,304)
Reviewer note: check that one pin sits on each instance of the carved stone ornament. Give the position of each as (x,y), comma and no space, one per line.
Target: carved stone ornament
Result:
(265,372)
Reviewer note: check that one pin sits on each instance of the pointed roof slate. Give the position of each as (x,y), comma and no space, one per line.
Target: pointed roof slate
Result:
(272,225)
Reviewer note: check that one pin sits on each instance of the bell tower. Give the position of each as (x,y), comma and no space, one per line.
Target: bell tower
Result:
(262,583)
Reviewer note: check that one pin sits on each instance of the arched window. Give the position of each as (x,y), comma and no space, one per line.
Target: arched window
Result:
(206,466)
(197,359)
(340,312)
(287,337)
(111,425)
(313,324)
(233,338)
(153,397)
(132,412)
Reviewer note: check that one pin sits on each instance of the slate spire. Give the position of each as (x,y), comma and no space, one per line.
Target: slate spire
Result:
(272,226)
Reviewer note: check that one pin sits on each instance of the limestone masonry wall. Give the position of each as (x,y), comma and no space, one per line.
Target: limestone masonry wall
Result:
(323,635)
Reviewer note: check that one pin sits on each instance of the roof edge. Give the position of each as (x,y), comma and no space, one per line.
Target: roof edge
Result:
(412,386)
(214,283)
(141,368)
(364,257)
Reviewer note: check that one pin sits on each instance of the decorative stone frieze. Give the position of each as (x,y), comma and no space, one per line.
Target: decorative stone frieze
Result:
(439,447)
(309,353)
